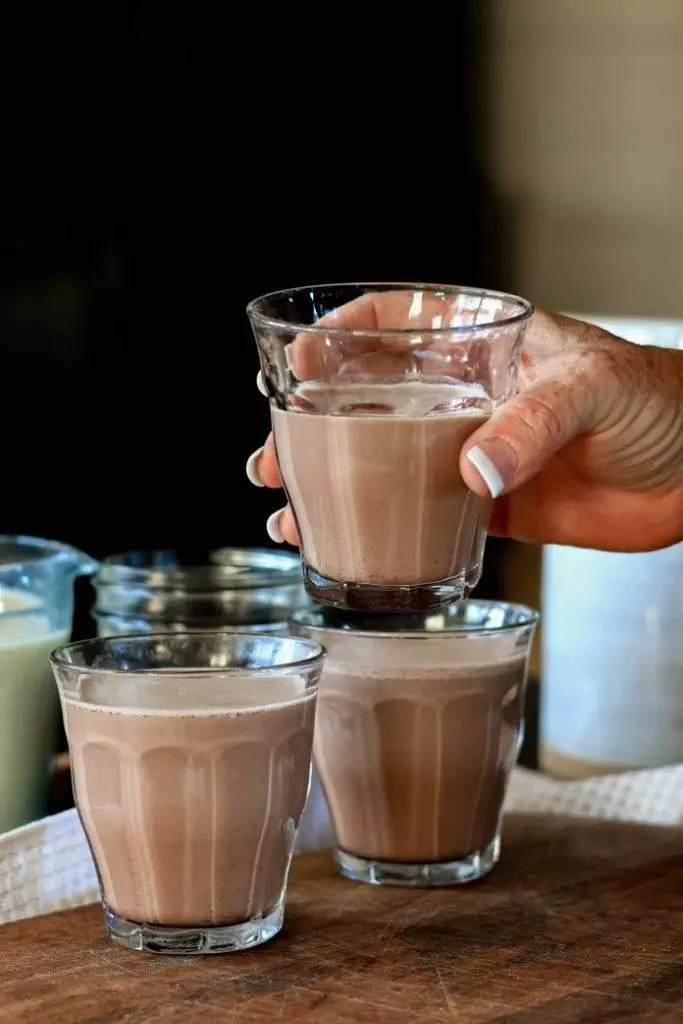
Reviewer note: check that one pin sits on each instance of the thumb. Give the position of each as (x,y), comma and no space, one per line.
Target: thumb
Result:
(521,437)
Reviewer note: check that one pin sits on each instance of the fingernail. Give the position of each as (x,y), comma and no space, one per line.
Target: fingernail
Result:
(273,527)
(252,471)
(496,463)
(260,385)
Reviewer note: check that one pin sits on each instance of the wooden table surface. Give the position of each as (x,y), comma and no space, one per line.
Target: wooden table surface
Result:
(581,922)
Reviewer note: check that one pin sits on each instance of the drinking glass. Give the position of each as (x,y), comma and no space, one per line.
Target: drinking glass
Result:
(191,758)
(418,728)
(374,389)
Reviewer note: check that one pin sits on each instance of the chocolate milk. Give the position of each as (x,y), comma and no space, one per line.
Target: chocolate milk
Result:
(371,471)
(415,759)
(191,814)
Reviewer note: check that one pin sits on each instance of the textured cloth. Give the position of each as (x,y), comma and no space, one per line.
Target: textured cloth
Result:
(46,866)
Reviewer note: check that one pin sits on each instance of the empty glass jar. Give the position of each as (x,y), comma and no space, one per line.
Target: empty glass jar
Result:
(253,589)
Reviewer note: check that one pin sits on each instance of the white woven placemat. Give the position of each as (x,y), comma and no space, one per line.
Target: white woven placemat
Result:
(46,866)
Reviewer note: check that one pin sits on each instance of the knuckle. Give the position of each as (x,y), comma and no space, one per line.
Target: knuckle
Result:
(603,356)
(541,419)
(607,361)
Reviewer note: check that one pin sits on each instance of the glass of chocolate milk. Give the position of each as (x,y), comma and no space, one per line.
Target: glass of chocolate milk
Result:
(373,390)
(418,727)
(191,759)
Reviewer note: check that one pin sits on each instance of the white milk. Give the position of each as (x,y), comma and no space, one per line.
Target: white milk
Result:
(29,708)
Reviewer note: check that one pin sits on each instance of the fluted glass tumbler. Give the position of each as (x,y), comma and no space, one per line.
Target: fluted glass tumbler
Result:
(374,389)
(191,759)
(418,728)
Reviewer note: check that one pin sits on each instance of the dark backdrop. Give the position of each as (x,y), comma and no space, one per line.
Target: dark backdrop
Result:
(221,161)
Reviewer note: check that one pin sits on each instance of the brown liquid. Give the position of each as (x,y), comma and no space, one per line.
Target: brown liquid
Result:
(372,475)
(415,761)
(191,817)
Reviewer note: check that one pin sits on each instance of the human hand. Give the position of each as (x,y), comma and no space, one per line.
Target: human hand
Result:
(589,453)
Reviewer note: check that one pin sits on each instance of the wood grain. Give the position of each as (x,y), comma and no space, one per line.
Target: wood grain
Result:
(581,923)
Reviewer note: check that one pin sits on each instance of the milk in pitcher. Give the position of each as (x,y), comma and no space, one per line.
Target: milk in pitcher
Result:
(29,707)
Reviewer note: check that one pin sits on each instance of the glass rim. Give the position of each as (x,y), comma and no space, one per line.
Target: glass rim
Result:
(289,327)
(39,552)
(531,618)
(42,549)
(316,655)
(231,568)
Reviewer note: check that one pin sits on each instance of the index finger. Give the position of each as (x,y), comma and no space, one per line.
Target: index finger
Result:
(402,323)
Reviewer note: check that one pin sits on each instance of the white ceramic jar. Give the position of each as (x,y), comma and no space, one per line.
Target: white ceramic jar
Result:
(612,643)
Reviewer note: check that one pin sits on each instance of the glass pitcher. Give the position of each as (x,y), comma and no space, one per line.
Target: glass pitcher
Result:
(36,608)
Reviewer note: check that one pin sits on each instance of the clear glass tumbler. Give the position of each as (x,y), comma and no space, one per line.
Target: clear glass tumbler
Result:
(191,760)
(374,388)
(418,728)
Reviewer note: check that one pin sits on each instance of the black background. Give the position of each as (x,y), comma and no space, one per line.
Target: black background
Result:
(178,161)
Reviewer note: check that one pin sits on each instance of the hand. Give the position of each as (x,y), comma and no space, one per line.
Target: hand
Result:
(590,453)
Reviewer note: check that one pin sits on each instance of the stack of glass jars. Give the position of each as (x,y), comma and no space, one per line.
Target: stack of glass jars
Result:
(252,589)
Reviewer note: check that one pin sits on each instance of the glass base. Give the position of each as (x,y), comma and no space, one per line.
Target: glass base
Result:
(370,597)
(232,938)
(430,875)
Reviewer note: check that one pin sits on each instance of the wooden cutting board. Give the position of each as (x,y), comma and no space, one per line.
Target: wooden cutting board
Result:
(582,923)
